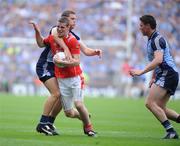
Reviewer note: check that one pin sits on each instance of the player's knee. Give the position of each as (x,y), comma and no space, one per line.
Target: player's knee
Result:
(162,106)
(79,105)
(148,104)
(56,94)
(69,114)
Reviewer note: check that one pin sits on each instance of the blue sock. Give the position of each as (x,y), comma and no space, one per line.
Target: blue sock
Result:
(44,119)
(167,125)
(51,120)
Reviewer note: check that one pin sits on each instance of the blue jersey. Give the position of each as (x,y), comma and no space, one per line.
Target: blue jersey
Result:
(157,42)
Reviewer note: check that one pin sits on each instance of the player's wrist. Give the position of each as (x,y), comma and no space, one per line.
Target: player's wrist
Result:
(96,52)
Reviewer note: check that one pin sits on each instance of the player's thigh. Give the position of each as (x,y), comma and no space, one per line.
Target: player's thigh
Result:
(66,93)
(163,101)
(52,85)
(66,98)
(77,88)
(78,94)
(67,103)
(156,93)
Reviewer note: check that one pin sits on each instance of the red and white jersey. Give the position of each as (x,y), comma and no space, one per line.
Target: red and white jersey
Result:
(74,48)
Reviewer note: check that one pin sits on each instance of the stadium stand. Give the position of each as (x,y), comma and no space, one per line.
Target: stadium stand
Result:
(97,20)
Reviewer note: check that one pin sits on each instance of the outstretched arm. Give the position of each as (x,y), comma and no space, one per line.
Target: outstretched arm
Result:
(39,38)
(90,52)
(158,58)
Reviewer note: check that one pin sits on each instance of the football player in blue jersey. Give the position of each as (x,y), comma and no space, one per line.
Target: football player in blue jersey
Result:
(165,76)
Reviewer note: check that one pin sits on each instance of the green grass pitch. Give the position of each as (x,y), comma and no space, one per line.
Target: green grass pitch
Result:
(119,122)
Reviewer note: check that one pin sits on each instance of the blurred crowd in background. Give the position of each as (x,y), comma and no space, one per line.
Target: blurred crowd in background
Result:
(96,20)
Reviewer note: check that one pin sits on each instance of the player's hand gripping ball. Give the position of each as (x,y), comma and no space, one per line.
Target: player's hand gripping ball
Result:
(58,57)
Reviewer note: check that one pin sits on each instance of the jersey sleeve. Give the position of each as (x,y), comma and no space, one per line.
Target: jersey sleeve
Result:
(159,43)
(75,46)
(46,41)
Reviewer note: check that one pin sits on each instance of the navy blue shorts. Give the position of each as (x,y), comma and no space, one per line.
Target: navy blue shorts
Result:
(168,80)
(45,70)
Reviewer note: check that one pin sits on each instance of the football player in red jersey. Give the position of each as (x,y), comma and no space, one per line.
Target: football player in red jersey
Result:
(45,72)
(71,15)
(69,77)
(57,106)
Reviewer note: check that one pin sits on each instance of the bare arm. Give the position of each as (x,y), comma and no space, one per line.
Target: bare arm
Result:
(90,52)
(86,50)
(158,58)
(74,62)
(39,38)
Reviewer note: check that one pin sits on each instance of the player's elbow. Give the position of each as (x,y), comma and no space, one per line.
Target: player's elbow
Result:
(40,45)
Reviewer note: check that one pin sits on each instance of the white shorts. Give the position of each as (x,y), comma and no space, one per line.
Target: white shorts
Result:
(71,90)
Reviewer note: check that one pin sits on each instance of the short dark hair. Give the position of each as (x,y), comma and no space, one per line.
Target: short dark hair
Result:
(148,19)
(66,13)
(64,20)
